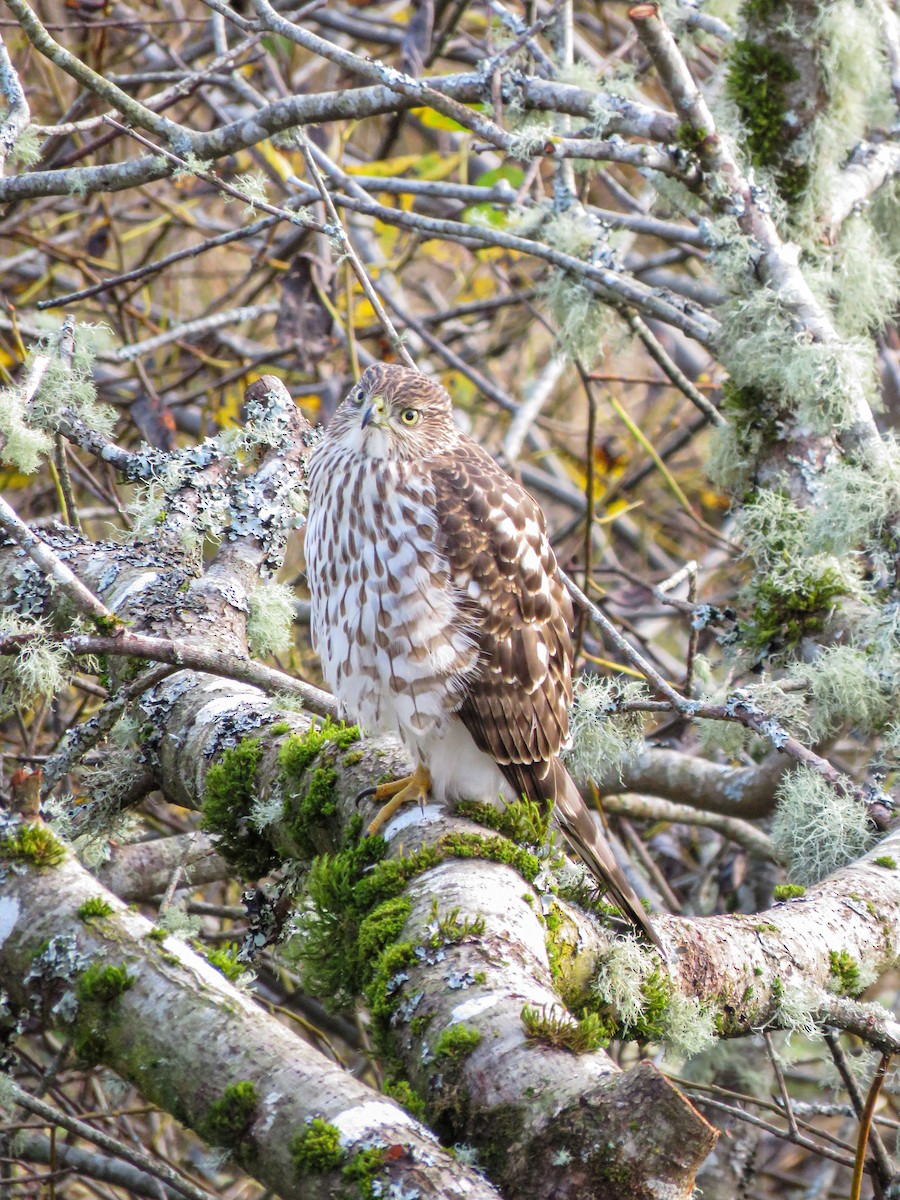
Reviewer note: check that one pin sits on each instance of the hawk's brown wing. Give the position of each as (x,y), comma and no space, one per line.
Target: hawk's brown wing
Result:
(502,564)
(516,704)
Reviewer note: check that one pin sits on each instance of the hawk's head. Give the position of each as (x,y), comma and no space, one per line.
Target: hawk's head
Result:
(394,412)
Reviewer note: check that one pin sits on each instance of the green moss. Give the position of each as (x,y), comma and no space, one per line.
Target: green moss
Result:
(351,759)
(690,138)
(363,1169)
(317,1149)
(762,10)
(520,821)
(158,934)
(495,849)
(381,927)
(500,1128)
(564,1032)
(34,844)
(94,909)
(310,799)
(230,1117)
(298,751)
(350,919)
(99,989)
(652,1022)
(456,1043)
(790,606)
(788,891)
(418,1025)
(449,929)
(383,991)
(402,1092)
(225,959)
(885,860)
(103,982)
(845,971)
(228,797)
(108,624)
(389,877)
(757,82)
(279,728)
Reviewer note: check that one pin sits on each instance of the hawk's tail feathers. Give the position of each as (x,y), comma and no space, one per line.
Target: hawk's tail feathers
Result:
(580,827)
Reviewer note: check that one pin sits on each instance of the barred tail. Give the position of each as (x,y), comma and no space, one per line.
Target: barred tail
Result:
(578,824)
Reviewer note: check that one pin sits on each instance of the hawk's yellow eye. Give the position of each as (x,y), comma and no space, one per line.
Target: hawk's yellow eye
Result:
(409,416)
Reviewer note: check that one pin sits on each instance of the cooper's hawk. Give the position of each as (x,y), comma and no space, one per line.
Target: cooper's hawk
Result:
(438,610)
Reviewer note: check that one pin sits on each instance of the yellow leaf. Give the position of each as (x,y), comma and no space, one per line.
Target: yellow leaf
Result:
(279,162)
(386,166)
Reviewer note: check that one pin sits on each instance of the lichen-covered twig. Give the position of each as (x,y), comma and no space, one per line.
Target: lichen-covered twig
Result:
(55,569)
(778,263)
(130,108)
(18,113)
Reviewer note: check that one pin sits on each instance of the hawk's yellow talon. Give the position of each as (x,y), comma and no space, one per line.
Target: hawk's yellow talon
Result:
(400,792)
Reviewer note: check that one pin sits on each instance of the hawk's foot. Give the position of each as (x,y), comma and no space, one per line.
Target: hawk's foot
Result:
(397,793)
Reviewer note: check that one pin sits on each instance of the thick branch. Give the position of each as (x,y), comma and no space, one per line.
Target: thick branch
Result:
(223,1040)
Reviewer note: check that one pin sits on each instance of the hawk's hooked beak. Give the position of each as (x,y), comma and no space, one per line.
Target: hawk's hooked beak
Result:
(374,413)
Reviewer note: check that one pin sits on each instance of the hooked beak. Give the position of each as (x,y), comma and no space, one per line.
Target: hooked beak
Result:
(374,412)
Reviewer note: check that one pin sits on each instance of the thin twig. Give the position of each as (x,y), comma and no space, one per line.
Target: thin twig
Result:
(865,1127)
(66,357)
(337,229)
(57,1118)
(879,1150)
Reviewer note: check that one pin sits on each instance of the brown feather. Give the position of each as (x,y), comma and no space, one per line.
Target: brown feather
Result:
(516,704)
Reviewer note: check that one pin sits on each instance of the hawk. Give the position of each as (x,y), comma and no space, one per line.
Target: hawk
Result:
(438,610)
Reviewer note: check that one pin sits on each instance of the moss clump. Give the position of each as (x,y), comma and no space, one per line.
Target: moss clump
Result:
(885,860)
(227,800)
(104,983)
(318,1148)
(788,891)
(230,1117)
(690,138)
(310,800)
(34,844)
(225,959)
(298,752)
(356,910)
(565,1032)
(381,927)
(456,1043)
(94,909)
(363,1169)
(449,929)
(495,849)
(99,989)
(402,1092)
(757,83)
(845,971)
(520,821)
(279,728)
(383,991)
(789,606)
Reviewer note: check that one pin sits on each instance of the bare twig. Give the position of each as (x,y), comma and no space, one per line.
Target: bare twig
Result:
(337,229)
(56,1117)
